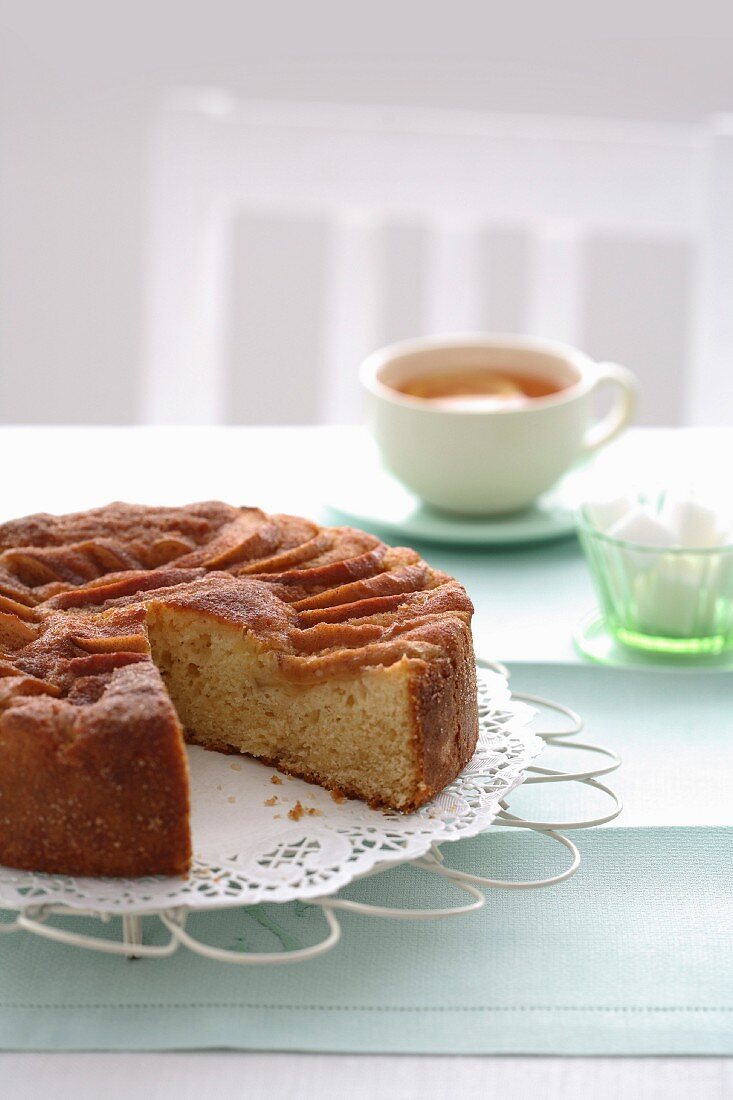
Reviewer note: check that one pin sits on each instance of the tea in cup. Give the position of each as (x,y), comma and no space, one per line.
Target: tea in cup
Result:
(483,425)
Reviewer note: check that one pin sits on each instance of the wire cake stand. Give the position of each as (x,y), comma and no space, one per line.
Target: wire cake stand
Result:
(261,838)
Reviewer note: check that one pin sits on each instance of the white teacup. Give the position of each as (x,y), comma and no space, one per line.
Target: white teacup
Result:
(490,460)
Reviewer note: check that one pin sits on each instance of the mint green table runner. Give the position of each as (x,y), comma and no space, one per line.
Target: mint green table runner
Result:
(632,956)
(672,729)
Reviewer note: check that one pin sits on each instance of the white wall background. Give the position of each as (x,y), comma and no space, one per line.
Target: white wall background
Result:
(79,83)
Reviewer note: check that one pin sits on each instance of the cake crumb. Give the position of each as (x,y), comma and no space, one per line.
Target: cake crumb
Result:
(297,812)
(313,811)
(218,786)
(276,780)
(236,767)
(277,817)
(271,801)
(232,798)
(338,796)
(289,778)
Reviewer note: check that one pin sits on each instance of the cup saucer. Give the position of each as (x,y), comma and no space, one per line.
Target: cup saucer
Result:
(366,495)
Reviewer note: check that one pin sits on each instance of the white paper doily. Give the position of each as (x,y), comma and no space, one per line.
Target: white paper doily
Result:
(247,852)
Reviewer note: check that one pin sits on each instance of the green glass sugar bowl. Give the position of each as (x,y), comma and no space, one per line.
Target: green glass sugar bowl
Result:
(663,573)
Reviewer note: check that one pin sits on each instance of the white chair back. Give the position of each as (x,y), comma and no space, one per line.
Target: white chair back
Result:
(287,241)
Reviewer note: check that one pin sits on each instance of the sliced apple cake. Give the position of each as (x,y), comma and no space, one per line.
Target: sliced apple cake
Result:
(125,629)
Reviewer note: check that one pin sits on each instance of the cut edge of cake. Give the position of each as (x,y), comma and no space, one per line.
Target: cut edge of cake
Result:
(379,736)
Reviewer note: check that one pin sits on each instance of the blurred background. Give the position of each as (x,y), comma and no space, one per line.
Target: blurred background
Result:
(211,212)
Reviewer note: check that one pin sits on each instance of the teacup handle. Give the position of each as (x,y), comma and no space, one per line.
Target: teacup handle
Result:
(623,407)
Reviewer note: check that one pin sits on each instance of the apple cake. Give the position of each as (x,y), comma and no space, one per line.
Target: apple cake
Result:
(126,630)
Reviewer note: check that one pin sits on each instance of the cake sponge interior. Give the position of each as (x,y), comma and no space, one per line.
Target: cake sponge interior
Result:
(355,735)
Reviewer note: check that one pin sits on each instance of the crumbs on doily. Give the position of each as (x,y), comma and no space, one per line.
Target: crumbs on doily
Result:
(299,810)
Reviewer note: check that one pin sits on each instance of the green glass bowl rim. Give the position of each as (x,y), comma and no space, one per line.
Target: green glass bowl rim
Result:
(588,527)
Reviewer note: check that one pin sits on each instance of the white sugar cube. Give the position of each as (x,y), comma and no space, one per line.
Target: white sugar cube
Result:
(694,525)
(673,599)
(643,528)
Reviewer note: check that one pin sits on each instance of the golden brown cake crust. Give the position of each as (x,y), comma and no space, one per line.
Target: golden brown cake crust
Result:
(93,773)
